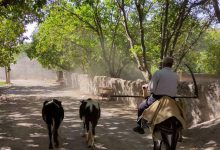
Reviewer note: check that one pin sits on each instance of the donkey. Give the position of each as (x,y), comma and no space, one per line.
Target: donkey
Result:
(90,113)
(53,114)
(169,130)
(166,119)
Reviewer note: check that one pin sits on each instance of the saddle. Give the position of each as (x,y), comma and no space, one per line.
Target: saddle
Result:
(163,109)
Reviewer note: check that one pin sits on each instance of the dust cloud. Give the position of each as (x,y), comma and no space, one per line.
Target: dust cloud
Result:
(26,69)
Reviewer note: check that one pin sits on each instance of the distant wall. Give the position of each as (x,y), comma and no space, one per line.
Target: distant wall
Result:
(205,108)
(200,78)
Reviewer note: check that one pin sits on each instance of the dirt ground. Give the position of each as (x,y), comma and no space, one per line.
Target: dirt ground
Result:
(22,128)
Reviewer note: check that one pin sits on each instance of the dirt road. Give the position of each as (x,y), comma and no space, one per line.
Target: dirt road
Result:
(22,128)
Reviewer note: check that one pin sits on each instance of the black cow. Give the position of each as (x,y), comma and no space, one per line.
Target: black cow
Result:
(53,114)
(90,113)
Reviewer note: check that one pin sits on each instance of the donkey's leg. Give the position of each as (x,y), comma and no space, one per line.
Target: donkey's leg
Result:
(157,144)
(167,140)
(50,136)
(175,139)
(180,139)
(157,139)
(170,140)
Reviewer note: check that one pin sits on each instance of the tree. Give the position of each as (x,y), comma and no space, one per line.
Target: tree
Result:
(103,18)
(58,43)
(10,36)
(213,42)
(13,17)
(216,8)
(175,26)
(181,32)
(24,10)
(206,55)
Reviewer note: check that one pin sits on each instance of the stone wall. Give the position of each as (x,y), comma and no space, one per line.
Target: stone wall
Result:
(200,78)
(204,108)
(207,106)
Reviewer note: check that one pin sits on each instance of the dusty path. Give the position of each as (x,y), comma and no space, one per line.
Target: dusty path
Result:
(22,128)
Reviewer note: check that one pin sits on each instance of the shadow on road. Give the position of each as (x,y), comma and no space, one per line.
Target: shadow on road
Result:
(32,90)
(22,128)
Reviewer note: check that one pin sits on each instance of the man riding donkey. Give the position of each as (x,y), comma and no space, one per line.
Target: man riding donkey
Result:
(164,82)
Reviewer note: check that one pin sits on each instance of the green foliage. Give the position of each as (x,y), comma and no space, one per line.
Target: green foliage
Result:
(58,43)
(211,53)
(25,10)
(14,15)
(71,37)
(2,83)
(170,28)
(103,17)
(206,58)
(10,31)
(86,34)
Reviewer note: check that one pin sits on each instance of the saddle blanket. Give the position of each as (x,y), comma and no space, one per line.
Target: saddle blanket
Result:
(163,109)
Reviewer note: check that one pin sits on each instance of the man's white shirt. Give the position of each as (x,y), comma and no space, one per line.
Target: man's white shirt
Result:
(164,82)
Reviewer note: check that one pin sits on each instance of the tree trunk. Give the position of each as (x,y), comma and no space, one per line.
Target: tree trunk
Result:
(146,75)
(68,79)
(141,64)
(7,74)
(60,76)
(216,8)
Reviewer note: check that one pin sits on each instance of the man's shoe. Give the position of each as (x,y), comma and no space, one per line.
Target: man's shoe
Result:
(144,123)
(138,130)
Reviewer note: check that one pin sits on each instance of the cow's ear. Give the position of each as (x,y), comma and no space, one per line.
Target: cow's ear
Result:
(55,100)
(45,102)
(59,103)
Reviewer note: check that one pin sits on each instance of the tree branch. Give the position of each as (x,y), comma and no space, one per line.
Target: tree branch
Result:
(81,19)
(216,8)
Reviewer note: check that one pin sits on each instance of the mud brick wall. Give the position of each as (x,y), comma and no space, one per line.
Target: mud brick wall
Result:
(204,108)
